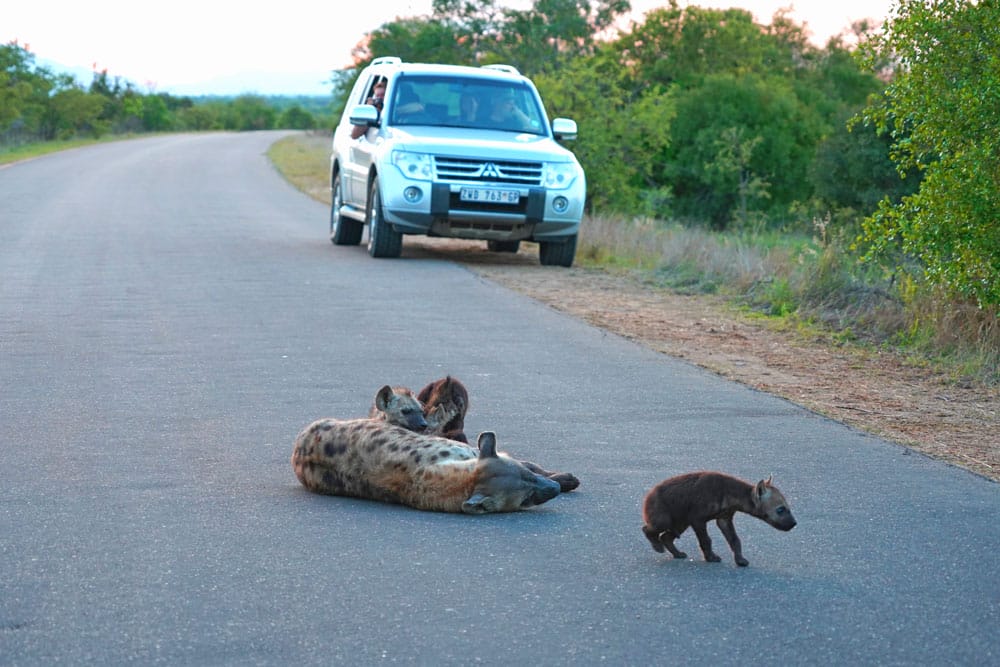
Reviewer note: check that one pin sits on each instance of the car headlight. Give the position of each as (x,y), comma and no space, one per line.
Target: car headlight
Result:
(559,175)
(416,166)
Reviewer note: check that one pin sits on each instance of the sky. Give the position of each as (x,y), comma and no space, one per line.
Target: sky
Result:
(194,47)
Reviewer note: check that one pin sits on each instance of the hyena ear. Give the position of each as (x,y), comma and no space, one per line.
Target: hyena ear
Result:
(383,397)
(487,445)
(760,490)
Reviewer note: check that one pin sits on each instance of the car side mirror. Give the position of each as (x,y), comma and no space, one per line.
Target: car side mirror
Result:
(564,129)
(364,114)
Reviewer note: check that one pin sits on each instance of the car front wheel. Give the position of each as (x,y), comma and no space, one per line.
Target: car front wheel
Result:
(557,253)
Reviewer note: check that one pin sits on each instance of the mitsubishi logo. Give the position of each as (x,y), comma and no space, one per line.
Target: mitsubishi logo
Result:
(490,171)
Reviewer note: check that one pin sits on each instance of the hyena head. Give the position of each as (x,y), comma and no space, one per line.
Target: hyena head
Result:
(771,506)
(503,484)
(400,407)
(447,391)
(446,402)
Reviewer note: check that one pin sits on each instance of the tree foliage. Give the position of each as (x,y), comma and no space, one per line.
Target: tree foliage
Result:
(757,122)
(682,46)
(942,111)
(625,133)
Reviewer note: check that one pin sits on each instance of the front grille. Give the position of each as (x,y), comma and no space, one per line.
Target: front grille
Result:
(476,170)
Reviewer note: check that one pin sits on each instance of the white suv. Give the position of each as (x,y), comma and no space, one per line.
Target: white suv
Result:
(460,152)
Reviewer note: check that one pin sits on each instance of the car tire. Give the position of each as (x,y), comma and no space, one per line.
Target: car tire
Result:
(557,253)
(343,231)
(503,246)
(383,240)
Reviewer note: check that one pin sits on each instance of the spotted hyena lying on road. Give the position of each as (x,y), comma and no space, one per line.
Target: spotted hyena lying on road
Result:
(369,458)
(696,498)
(445,403)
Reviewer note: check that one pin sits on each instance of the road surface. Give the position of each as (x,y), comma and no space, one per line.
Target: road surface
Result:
(172,314)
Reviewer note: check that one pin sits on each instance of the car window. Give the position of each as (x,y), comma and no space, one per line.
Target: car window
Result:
(466,102)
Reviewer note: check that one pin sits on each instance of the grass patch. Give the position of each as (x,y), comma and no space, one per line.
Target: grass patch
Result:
(33,150)
(304,161)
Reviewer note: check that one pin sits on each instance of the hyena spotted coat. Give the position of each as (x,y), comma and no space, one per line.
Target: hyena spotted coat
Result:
(368,458)
(695,498)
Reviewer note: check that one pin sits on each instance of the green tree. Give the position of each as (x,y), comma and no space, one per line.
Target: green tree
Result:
(296,118)
(156,116)
(25,95)
(731,172)
(763,111)
(852,170)
(623,131)
(552,32)
(682,46)
(204,116)
(250,112)
(942,110)
(72,111)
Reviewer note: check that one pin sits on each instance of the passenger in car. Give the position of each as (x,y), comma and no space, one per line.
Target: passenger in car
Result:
(468,108)
(504,112)
(376,100)
(407,103)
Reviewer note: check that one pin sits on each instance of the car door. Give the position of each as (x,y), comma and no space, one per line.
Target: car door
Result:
(360,153)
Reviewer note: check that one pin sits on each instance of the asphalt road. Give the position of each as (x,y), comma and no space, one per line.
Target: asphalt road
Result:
(172,314)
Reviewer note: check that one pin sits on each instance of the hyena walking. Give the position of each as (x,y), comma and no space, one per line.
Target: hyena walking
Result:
(696,498)
(445,403)
(367,458)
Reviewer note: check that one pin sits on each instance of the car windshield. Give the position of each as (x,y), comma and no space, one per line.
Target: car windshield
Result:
(465,102)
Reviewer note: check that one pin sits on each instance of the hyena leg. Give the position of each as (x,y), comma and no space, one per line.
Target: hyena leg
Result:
(725,524)
(663,538)
(567,482)
(705,542)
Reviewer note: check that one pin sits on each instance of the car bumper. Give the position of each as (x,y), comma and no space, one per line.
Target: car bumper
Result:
(435,209)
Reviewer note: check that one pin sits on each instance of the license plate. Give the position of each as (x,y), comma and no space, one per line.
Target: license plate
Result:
(490,195)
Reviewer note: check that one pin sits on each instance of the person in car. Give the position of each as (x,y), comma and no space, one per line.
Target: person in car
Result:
(376,100)
(504,112)
(468,108)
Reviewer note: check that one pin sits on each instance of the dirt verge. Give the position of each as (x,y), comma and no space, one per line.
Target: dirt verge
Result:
(877,392)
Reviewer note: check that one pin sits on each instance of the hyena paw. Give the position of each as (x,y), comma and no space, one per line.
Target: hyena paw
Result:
(712,557)
(680,555)
(741,561)
(567,482)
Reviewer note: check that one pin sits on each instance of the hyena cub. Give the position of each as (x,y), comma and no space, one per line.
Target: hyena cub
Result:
(696,498)
(449,396)
(398,406)
(446,402)
(368,458)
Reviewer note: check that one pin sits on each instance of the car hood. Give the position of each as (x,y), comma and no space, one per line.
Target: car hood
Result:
(465,142)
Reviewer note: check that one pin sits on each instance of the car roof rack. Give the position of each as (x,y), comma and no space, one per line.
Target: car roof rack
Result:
(510,69)
(387,60)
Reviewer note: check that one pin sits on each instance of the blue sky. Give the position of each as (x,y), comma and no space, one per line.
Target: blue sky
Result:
(193,47)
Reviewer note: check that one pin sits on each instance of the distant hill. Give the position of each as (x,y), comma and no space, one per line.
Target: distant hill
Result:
(283,84)
(261,83)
